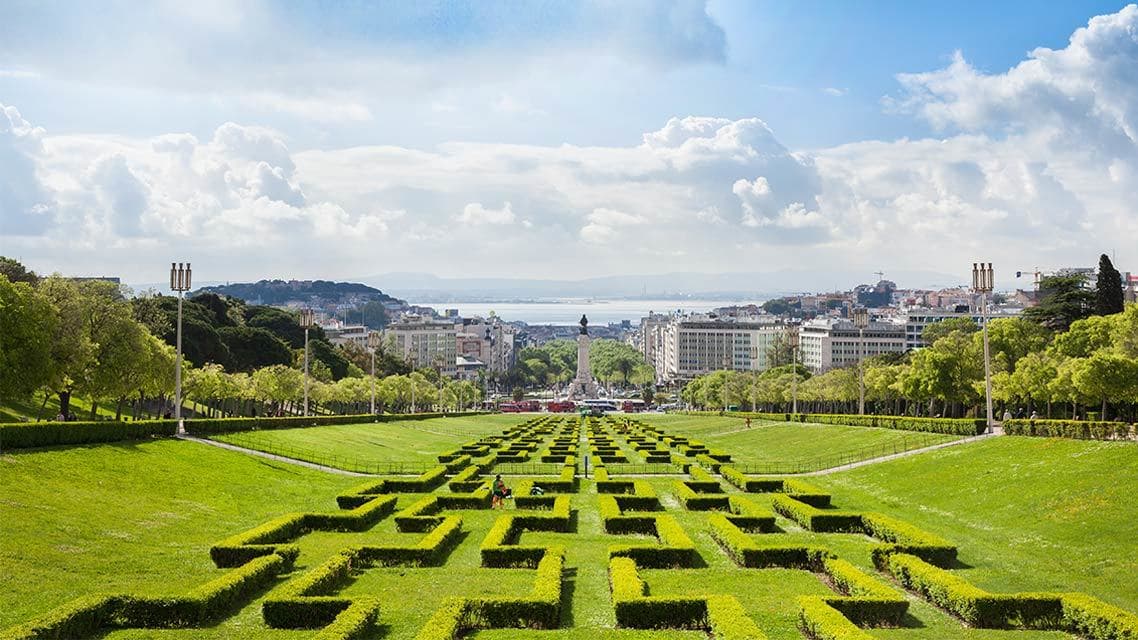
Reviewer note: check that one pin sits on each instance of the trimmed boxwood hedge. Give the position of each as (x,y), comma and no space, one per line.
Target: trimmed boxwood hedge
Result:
(820,621)
(814,519)
(905,538)
(1079,429)
(27,435)
(953,426)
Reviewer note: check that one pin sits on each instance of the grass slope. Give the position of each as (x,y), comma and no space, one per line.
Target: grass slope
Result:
(1027,513)
(814,446)
(398,441)
(133,517)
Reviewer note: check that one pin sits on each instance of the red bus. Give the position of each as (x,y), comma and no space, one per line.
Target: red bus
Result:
(561,406)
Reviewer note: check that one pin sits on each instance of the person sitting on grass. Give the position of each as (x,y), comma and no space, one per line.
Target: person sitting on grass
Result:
(500,492)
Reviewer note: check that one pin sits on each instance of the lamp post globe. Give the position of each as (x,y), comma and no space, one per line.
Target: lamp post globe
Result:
(861,321)
(180,281)
(983,280)
(307,317)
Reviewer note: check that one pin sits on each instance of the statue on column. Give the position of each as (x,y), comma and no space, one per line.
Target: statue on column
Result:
(584,325)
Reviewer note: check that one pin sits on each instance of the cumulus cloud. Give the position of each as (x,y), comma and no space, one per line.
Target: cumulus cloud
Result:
(25,205)
(1038,167)
(475,213)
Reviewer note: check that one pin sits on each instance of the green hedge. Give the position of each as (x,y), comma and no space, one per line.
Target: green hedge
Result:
(27,435)
(814,519)
(972,604)
(81,618)
(1079,429)
(953,426)
(1092,618)
(905,538)
(210,426)
(869,602)
(357,621)
(749,516)
(820,621)
(694,501)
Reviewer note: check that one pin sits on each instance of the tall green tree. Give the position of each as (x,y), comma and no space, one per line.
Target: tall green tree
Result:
(28,323)
(1064,301)
(15,271)
(1108,288)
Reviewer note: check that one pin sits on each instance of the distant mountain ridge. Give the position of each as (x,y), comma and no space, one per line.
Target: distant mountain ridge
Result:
(277,292)
(423,287)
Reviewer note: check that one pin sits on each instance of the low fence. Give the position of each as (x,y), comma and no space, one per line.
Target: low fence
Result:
(346,463)
(829,461)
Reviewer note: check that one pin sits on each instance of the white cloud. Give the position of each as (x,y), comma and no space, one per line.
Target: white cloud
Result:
(834,91)
(25,204)
(475,213)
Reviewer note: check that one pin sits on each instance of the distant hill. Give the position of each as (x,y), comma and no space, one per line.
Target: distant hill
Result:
(279,292)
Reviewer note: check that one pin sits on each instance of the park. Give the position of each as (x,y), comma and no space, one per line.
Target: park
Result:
(642,526)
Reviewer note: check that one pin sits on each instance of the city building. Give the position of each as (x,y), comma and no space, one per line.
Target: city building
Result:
(683,347)
(488,340)
(826,344)
(917,319)
(424,342)
(340,334)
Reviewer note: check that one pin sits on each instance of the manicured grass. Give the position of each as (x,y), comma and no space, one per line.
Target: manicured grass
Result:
(133,517)
(1048,515)
(1029,514)
(419,441)
(787,447)
(33,409)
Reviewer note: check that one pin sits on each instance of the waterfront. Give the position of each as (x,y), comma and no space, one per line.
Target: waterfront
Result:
(568,311)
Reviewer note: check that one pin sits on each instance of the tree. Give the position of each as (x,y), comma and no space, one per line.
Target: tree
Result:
(938,330)
(1108,288)
(15,271)
(253,348)
(1107,376)
(1064,301)
(27,325)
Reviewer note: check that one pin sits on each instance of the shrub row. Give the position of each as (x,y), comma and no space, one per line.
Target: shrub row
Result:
(269,538)
(541,609)
(209,426)
(675,548)
(813,519)
(820,621)
(429,551)
(694,501)
(1069,429)
(1092,618)
(868,602)
(905,538)
(423,483)
(722,616)
(749,516)
(357,621)
(26,435)
(499,548)
(798,489)
(741,548)
(467,480)
(971,604)
(302,603)
(616,522)
(953,426)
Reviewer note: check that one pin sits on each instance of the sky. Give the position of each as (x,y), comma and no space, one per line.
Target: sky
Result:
(551,139)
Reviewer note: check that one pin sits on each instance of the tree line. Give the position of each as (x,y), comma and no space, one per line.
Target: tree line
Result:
(63,338)
(1074,354)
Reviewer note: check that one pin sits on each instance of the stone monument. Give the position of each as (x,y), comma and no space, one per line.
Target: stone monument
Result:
(583,386)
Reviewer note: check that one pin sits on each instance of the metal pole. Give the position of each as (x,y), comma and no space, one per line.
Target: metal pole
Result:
(861,373)
(178,370)
(373,381)
(306,370)
(987,362)
(794,382)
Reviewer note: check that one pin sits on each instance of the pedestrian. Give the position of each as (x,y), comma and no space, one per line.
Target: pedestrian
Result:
(1034,415)
(499,493)
(1007,415)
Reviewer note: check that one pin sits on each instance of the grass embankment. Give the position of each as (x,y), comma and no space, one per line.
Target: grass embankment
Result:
(414,441)
(1029,514)
(134,517)
(793,447)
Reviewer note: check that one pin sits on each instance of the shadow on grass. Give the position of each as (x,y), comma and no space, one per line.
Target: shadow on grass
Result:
(568,588)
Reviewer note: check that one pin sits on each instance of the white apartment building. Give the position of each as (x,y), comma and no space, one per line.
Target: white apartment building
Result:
(490,341)
(424,342)
(340,334)
(687,346)
(826,344)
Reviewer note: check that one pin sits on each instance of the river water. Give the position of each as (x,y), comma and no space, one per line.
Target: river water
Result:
(568,311)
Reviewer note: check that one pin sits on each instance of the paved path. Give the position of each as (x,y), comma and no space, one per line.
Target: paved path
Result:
(894,456)
(273,456)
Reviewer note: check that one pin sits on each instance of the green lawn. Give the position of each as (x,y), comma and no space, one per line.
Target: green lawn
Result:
(1027,513)
(133,517)
(779,447)
(418,441)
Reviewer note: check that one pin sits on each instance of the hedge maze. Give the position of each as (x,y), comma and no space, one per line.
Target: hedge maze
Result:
(660,531)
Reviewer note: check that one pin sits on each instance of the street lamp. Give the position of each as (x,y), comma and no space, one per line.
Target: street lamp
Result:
(793,336)
(306,318)
(373,344)
(982,280)
(179,281)
(861,321)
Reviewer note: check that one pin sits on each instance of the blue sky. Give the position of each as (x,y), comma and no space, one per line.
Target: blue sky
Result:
(469,133)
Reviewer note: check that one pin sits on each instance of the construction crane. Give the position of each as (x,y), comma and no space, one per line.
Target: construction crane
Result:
(880,275)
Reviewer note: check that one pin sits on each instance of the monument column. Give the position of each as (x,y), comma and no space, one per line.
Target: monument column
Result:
(582,386)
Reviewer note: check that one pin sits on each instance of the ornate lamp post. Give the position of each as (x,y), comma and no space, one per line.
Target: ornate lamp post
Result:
(793,336)
(861,321)
(306,318)
(982,279)
(180,276)
(372,345)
